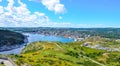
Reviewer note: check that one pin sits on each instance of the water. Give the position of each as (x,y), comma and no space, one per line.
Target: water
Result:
(37,37)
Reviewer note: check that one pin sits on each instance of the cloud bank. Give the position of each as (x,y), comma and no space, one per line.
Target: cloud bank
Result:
(21,16)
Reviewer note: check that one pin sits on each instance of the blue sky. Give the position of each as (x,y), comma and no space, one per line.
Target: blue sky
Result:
(60,13)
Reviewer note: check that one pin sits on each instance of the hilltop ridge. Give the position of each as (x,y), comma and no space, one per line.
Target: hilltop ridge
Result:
(10,38)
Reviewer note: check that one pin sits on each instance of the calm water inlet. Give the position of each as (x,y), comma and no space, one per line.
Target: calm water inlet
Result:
(37,37)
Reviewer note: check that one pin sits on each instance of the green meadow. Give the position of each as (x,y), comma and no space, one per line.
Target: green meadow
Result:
(64,54)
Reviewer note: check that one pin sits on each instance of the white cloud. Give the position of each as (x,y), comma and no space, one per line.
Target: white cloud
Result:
(21,16)
(12,16)
(1,9)
(60,17)
(53,5)
(59,8)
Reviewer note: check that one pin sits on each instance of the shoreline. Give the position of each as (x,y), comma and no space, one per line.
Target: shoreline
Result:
(9,48)
(70,37)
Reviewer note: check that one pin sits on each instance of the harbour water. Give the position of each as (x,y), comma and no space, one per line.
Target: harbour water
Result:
(37,37)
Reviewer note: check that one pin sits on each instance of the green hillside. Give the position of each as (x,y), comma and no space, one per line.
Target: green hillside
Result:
(8,38)
(69,54)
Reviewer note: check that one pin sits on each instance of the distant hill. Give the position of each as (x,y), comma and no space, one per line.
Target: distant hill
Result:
(8,38)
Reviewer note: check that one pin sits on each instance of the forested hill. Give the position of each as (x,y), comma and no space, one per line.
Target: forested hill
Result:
(8,38)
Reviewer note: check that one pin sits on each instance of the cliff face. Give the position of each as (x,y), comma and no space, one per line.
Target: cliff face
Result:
(9,38)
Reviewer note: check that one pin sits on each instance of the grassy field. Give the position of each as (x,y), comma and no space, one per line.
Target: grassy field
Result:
(2,64)
(68,54)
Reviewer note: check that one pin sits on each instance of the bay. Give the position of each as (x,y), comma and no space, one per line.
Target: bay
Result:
(37,37)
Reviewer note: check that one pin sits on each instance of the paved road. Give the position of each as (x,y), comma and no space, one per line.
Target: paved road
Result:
(6,62)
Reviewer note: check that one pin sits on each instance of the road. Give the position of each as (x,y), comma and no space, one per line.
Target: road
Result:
(6,62)
(58,46)
(84,57)
(92,60)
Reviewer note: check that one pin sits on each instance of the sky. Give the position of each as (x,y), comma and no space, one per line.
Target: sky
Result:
(60,13)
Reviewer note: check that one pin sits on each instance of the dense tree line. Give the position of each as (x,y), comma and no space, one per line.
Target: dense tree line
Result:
(8,38)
